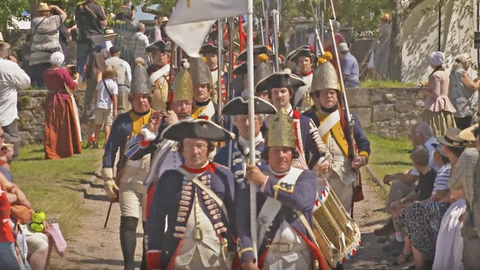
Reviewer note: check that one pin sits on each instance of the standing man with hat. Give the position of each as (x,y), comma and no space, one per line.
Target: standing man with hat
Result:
(123,78)
(210,52)
(261,71)
(165,154)
(304,58)
(160,73)
(348,158)
(128,188)
(285,199)
(310,147)
(191,221)
(349,63)
(237,108)
(109,39)
(203,90)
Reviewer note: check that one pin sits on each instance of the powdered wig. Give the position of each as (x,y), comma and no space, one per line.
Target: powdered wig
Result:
(57,59)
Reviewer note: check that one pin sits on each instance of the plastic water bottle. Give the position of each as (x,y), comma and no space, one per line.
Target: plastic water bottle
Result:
(57,237)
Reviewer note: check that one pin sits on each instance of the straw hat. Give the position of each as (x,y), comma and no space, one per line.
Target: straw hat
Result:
(164,19)
(110,32)
(468,133)
(452,138)
(43,7)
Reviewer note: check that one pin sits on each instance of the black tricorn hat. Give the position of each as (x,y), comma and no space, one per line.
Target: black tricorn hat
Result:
(198,128)
(239,106)
(209,48)
(257,49)
(304,50)
(240,69)
(159,46)
(279,80)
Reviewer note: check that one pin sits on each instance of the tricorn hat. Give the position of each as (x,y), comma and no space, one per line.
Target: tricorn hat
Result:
(257,49)
(200,72)
(325,75)
(159,46)
(261,71)
(182,87)
(468,134)
(304,50)
(239,106)
(281,131)
(209,48)
(452,138)
(140,81)
(279,80)
(198,128)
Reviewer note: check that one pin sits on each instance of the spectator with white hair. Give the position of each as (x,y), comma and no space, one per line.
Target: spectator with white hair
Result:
(463,91)
(438,111)
(349,64)
(62,125)
(139,42)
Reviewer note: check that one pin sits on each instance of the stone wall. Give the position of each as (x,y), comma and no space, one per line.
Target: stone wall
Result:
(31,111)
(387,112)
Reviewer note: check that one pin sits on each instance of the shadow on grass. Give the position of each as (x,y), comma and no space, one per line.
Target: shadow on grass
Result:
(97,197)
(30,159)
(393,163)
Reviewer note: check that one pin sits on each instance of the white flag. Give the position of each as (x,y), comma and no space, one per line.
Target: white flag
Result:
(191,21)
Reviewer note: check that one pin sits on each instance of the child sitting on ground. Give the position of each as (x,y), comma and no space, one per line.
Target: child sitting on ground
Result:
(106,105)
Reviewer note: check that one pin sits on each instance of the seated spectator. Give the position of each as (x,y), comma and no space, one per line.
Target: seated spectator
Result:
(403,183)
(106,105)
(464,183)
(350,70)
(421,220)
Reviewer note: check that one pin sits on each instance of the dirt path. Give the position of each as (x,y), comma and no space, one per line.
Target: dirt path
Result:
(99,248)
(95,247)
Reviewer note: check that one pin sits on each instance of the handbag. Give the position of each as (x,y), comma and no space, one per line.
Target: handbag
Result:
(21,213)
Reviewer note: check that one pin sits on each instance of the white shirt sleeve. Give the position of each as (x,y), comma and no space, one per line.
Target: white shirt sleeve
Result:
(113,87)
(128,71)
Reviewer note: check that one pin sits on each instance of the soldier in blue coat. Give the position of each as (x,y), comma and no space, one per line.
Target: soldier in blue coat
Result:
(285,200)
(128,189)
(239,150)
(312,151)
(349,154)
(195,202)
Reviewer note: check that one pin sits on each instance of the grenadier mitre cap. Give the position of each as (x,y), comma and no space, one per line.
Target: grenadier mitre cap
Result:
(239,106)
(325,75)
(281,131)
(182,87)
(197,129)
(140,81)
(279,80)
(200,72)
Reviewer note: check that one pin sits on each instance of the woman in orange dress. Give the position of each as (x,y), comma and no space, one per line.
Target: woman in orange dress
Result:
(62,127)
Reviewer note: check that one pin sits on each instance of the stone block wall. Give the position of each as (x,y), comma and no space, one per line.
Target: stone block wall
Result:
(31,114)
(387,112)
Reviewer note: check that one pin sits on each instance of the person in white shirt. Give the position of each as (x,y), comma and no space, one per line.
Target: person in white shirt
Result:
(12,78)
(106,105)
(123,78)
(139,42)
(109,39)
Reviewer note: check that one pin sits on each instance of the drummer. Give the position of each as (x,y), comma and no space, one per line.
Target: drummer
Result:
(284,202)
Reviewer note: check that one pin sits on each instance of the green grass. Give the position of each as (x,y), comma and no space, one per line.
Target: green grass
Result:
(53,185)
(389,156)
(386,84)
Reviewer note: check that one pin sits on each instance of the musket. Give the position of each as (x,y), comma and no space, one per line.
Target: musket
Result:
(275,16)
(220,69)
(230,90)
(317,36)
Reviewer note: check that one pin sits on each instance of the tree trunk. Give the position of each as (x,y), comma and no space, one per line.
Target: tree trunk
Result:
(396,43)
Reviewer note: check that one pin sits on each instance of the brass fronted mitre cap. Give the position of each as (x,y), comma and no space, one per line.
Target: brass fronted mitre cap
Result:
(324,77)
(261,72)
(182,87)
(281,131)
(140,81)
(200,72)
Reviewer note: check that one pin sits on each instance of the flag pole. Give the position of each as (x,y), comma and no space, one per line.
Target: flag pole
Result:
(251,120)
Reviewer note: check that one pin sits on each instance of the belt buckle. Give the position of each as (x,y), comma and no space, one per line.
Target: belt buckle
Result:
(283,247)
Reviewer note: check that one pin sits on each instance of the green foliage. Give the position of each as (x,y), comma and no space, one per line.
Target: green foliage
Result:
(362,15)
(386,84)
